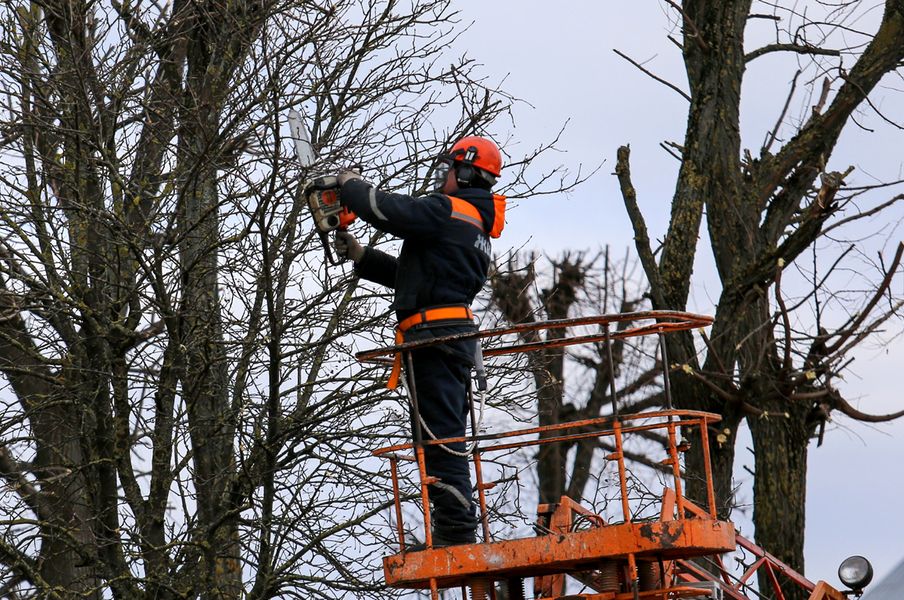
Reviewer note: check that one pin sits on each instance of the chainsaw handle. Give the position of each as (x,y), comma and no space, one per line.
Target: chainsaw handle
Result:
(346,218)
(325,240)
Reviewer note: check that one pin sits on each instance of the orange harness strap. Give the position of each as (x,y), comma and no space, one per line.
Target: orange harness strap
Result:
(427,315)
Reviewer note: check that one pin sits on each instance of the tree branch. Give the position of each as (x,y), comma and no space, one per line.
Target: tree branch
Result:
(798,48)
(13,473)
(781,117)
(689,22)
(818,136)
(641,237)
(853,413)
(783,311)
(761,270)
(875,210)
(26,568)
(851,326)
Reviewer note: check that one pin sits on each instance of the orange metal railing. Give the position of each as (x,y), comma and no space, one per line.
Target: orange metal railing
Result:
(652,322)
(678,539)
(677,512)
(616,426)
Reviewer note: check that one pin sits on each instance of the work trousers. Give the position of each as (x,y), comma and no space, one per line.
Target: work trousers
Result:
(441,378)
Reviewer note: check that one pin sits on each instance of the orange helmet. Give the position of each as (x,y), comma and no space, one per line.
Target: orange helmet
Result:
(477,162)
(480,152)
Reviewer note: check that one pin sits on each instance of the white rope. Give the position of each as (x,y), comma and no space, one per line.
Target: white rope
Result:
(470,449)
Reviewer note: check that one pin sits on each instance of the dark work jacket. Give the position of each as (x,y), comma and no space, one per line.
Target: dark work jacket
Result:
(443,260)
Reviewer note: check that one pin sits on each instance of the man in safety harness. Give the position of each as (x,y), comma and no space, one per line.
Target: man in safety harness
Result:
(442,266)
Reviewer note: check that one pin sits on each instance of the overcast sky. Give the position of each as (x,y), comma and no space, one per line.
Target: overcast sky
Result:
(558,58)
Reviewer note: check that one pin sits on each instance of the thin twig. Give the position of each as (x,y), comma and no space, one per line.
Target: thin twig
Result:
(695,31)
(656,77)
(852,325)
(862,215)
(778,123)
(713,353)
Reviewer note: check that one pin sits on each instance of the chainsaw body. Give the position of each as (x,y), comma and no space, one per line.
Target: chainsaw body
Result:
(322,195)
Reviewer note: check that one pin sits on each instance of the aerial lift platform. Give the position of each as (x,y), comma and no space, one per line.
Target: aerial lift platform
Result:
(675,555)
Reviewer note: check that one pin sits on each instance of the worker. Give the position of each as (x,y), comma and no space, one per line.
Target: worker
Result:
(442,265)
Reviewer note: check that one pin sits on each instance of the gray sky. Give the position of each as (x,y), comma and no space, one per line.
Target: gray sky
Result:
(558,58)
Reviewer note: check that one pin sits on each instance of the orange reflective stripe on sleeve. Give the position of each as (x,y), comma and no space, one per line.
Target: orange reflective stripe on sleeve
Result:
(465,211)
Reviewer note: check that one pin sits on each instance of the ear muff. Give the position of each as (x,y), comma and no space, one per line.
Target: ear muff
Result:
(464,174)
(464,167)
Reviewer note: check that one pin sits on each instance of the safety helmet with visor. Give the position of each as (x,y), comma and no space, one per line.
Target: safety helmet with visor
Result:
(477,162)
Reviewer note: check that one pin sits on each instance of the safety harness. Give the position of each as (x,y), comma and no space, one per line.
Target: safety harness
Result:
(454,314)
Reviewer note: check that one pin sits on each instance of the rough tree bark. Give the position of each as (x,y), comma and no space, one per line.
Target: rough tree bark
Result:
(761,214)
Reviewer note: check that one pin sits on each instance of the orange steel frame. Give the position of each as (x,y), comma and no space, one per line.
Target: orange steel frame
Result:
(683,531)
(733,587)
(678,534)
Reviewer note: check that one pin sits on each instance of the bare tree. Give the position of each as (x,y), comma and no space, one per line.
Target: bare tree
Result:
(181,417)
(774,350)
(578,384)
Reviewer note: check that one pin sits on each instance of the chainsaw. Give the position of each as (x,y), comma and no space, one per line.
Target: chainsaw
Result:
(321,193)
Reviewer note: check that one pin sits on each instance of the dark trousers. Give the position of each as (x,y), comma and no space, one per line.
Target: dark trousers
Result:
(441,382)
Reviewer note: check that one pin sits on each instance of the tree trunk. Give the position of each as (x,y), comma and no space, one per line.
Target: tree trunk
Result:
(205,386)
(722,454)
(780,489)
(780,437)
(550,457)
(68,547)
(205,389)
(548,367)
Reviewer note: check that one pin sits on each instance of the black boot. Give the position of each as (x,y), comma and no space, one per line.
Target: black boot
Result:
(445,538)
(453,537)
